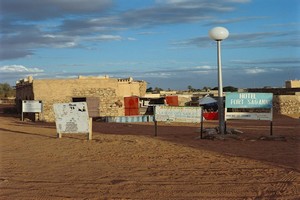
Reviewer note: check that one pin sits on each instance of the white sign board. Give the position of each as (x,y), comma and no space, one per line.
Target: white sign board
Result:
(32,106)
(249,116)
(178,114)
(71,117)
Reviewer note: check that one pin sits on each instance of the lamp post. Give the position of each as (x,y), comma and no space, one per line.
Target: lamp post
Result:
(218,34)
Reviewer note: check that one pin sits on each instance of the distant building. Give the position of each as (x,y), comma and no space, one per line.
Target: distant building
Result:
(104,95)
(292,84)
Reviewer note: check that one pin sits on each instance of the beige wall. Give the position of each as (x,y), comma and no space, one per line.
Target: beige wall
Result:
(292,84)
(128,89)
(107,90)
(287,105)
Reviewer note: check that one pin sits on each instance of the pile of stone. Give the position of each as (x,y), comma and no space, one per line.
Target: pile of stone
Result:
(213,133)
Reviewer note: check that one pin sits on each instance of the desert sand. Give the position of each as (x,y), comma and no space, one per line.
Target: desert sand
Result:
(126,161)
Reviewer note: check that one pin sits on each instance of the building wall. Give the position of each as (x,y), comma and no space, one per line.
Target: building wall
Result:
(131,89)
(287,105)
(23,92)
(292,84)
(110,92)
(184,99)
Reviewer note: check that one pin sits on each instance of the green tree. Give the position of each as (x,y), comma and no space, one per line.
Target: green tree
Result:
(206,88)
(230,89)
(6,90)
(157,89)
(150,89)
(227,89)
(190,88)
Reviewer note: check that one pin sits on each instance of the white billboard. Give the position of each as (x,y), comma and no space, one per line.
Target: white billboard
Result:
(178,114)
(71,117)
(32,106)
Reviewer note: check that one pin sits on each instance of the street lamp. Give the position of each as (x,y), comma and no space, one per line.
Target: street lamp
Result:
(218,34)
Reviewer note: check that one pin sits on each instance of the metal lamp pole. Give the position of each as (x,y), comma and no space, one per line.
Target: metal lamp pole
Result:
(218,34)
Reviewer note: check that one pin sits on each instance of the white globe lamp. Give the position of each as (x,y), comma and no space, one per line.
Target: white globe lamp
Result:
(218,33)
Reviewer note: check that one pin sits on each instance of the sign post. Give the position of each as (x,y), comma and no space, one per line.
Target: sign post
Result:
(177,114)
(31,106)
(72,118)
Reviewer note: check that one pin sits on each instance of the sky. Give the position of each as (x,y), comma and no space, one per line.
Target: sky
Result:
(163,42)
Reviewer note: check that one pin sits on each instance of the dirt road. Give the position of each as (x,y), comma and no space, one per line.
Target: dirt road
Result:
(125,161)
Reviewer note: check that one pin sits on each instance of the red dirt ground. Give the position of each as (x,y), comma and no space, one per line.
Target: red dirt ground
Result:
(126,161)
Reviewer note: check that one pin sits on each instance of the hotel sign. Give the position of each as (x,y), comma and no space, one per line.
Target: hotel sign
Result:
(249,100)
(254,101)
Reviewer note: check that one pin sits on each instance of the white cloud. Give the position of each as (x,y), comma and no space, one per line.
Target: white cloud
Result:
(234,20)
(11,73)
(147,33)
(276,70)
(171,1)
(52,9)
(131,39)
(156,75)
(262,70)
(239,1)
(103,38)
(109,37)
(19,69)
(255,71)
(204,67)
(74,23)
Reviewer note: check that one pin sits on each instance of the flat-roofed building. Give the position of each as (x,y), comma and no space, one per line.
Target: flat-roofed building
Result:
(104,95)
(292,84)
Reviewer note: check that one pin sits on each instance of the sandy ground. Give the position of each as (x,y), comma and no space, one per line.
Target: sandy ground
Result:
(126,161)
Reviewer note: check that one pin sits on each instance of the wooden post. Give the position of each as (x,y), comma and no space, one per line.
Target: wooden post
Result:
(155,127)
(59,135)
(225,120)
(201,130)
(271,128)
(271,123)
(90,133)
(155,122)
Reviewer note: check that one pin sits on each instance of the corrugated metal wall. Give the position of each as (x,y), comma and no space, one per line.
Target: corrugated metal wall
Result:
(172,100)
(131,106)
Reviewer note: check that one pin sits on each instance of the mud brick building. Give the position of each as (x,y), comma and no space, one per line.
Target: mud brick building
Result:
(104,95)
(292,84)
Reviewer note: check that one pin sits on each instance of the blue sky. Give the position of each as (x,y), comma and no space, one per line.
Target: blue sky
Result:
(164,42)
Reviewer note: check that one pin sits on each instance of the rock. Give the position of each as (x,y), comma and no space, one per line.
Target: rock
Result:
(237,132)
